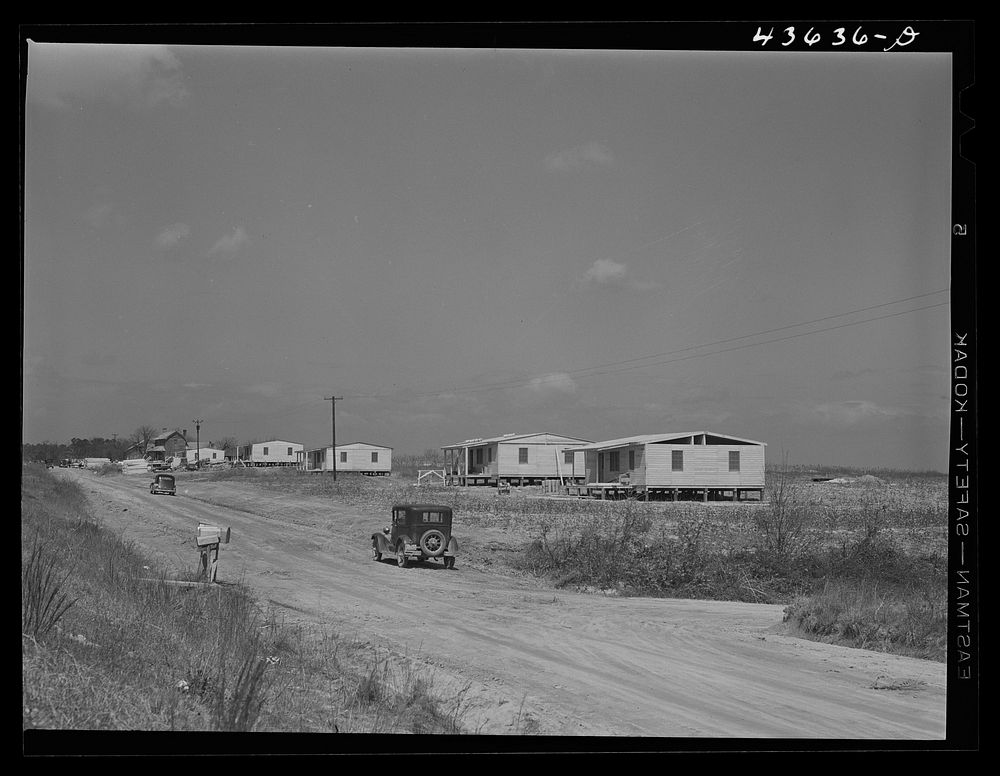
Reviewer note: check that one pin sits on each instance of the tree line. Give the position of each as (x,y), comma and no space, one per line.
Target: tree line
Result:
(115,448)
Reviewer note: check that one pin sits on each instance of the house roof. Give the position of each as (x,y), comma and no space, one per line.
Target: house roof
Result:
(164,437)
(548,439)
(648,439)
(347,444)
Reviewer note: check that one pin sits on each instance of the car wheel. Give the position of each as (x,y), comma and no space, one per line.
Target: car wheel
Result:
(432,543)
(376,555)
(401,558)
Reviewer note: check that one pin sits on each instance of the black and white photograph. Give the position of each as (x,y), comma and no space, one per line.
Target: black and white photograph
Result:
(489,387)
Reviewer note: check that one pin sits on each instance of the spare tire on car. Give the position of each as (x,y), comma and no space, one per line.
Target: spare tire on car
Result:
(433,543)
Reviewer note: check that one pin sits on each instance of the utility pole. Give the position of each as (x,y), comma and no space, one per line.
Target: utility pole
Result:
(197,436)
(333,429)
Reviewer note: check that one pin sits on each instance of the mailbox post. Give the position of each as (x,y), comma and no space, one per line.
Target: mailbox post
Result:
(209,538)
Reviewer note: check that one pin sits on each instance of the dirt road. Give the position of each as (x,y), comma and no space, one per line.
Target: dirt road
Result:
(571,663)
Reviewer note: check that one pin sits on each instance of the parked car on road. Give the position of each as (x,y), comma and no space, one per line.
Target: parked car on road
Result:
(163,483)
(418,532)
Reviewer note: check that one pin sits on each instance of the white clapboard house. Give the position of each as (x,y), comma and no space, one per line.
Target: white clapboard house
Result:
(363,457)
(515,459)
(274,452)
(684,464)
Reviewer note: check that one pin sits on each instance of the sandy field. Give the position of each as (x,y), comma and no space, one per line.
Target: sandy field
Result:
(571,663)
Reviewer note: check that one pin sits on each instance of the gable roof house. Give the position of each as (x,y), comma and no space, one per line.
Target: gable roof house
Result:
(700,464)
(516,459)
(172,444)
(135,452)
(273,452)
(205,454)
(363,457)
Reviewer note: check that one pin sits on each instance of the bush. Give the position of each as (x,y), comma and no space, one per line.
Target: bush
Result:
(909,618)
(44,599)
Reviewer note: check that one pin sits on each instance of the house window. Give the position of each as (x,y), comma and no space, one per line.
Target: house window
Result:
(489,455)
(734,460)
(374,457)
(479,457)
(343,457)
(631,460)
(522,455)
(568,458)
(289,452)
(265,451)
(614,464)
(677,460)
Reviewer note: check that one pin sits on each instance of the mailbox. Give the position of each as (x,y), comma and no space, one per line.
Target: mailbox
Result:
(209,538)
(212,534)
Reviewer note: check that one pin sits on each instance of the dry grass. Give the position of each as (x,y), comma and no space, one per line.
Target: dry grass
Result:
(811,545)
(135,652)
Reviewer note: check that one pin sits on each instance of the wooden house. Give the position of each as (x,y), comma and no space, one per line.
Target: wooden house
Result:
(205,454)
(136,452)
(172,444)
(275,452)
(515,459)
(699,464)
(362,457)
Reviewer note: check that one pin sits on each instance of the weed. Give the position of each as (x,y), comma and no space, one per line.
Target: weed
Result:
(44,599)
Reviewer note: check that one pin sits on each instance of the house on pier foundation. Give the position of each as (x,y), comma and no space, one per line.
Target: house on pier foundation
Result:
(703,465)
(514,459)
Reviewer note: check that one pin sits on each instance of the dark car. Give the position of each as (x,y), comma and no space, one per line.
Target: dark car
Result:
(418,532)
(163,483)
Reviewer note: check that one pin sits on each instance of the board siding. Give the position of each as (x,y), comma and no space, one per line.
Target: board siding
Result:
(705,466)
(277,452)
(543,460)
(359,459)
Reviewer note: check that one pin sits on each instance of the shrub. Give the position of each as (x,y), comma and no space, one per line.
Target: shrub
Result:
(783,523)
(44,599)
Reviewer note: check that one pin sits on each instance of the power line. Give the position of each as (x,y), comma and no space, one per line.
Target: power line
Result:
(776,339)
(582,372)
(631,363)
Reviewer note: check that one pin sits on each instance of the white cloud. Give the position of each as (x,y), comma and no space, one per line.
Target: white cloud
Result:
(60,75)
(230,243)
(605,271)
(98,215)
(556,382)
(849,413)
(590,154)
(172,235)
(266,389)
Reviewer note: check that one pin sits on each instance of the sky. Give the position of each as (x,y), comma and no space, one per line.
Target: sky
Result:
(471,242)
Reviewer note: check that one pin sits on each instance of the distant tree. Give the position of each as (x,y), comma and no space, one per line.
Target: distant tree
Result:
(432,455)
(229,445)
(79,448)
(143,435)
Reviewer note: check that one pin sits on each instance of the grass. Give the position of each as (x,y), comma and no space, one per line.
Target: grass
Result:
(809,546)
(860,562)
(109,643)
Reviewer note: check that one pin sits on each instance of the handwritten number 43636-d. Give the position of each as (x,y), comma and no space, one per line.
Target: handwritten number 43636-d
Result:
(811,38)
